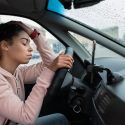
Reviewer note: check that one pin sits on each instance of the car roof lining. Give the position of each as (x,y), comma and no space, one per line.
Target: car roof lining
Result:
(18,5)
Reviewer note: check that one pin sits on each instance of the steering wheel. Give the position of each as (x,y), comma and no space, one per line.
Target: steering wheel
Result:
(58,78)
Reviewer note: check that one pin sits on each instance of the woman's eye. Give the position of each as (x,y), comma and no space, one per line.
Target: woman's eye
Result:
(24,44)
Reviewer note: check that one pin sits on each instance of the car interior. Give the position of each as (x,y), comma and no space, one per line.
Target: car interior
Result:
(92,91)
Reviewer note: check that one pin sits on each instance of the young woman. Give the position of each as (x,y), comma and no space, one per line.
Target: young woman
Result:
(15,50)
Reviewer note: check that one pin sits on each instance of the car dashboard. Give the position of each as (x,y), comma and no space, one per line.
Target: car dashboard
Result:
(109,100)
(109,104)
(105,104)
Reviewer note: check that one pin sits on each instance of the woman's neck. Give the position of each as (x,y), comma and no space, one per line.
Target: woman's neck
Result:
(8,65)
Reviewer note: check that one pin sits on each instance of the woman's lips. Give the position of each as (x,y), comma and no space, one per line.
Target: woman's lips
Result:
(29,56)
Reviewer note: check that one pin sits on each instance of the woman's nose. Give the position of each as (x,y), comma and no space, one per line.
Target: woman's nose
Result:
(30,49)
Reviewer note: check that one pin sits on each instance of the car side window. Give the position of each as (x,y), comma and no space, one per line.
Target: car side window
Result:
(101,51)
(56,46)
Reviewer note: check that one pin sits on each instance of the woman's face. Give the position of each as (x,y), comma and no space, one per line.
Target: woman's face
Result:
(20,50)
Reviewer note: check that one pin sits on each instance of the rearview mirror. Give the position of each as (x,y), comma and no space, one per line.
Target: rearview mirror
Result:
(78,3)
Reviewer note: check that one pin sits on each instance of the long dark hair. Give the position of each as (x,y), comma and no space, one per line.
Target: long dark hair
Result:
(9,30)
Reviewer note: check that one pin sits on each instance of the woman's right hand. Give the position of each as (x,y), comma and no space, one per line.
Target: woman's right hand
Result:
(62,61)
(26,28)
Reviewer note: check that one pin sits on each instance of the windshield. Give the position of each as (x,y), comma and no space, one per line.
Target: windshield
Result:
(107,16)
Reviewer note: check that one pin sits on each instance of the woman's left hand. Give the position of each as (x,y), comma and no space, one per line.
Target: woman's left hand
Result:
(62,61)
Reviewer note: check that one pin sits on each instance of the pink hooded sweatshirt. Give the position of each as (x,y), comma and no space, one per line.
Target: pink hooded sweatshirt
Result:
(13,105)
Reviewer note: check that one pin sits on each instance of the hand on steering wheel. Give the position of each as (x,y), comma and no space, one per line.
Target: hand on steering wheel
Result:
(62,61)
(61,65)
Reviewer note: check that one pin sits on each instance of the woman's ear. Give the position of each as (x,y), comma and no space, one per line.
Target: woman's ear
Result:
(4,45)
